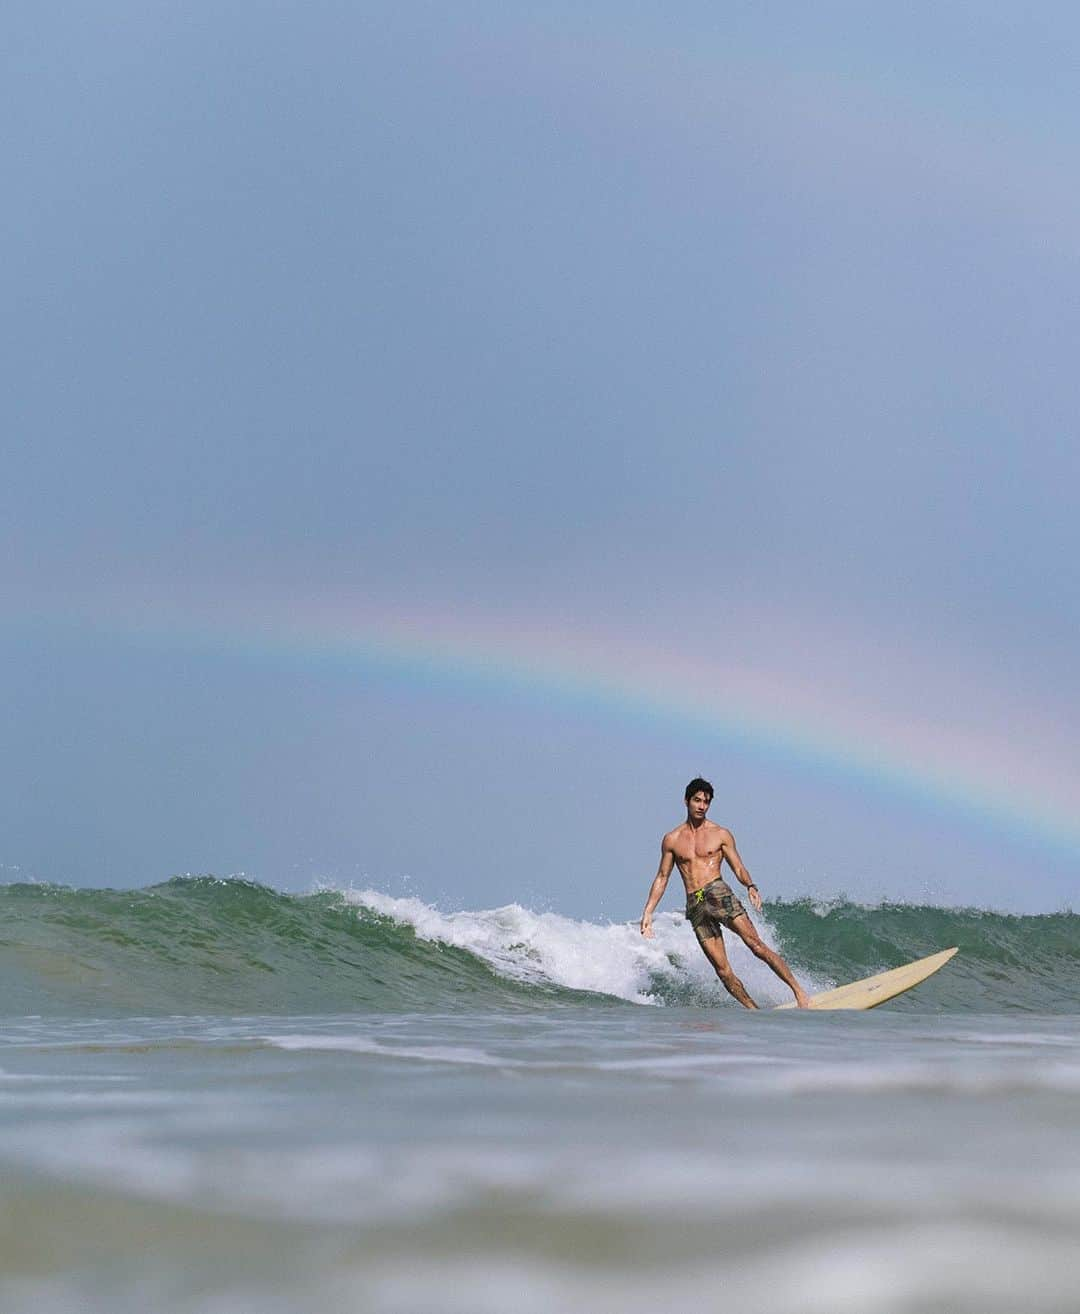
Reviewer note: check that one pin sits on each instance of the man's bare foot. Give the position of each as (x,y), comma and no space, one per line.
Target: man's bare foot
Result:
(802,999)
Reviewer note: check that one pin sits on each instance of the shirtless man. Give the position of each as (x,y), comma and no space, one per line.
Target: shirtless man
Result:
(700,848)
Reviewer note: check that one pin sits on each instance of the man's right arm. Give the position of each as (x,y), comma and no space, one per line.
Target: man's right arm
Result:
(659,885)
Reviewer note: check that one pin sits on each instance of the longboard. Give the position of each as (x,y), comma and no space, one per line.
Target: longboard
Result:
(877,989)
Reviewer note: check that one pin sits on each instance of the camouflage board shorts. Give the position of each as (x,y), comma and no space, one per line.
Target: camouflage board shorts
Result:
(712,907)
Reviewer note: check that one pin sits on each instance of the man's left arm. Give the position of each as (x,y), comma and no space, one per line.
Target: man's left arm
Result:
(731,854)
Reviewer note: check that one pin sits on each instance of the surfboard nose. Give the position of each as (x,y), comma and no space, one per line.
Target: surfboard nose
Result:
(875,990)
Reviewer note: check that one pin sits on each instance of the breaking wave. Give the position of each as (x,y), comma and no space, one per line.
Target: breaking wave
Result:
(205,945)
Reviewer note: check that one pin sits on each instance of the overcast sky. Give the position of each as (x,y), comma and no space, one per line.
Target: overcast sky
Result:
(737,341)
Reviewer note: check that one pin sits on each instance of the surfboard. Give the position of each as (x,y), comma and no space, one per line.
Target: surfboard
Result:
(876,990)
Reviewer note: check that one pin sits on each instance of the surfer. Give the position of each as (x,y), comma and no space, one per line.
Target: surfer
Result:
(700,848)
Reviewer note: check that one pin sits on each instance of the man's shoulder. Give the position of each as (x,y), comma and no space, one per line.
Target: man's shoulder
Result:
(724,834)
(672,835)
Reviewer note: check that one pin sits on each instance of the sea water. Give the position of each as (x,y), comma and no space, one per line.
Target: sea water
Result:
(216,1097)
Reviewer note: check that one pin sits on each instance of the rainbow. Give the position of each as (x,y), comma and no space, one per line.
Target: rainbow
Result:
(989,783)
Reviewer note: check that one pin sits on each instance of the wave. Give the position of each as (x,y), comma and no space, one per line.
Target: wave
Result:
(196,945)
(1006,962)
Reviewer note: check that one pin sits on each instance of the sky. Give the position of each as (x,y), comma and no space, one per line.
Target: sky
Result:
(433,433)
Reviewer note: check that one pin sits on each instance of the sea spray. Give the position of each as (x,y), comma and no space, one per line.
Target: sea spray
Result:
(545,948)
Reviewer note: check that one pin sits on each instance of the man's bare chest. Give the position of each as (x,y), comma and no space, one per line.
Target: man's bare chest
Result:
(693,849)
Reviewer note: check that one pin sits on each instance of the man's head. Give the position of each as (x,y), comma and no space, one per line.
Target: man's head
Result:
(698,786)
(699,794)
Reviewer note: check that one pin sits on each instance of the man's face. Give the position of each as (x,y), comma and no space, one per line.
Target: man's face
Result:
(697,805)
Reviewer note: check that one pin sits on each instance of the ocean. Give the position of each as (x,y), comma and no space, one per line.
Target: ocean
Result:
(217,1097)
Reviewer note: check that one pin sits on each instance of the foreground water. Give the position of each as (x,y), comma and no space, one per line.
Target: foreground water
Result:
(478,1133)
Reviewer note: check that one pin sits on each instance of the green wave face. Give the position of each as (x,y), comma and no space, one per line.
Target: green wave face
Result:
(202,945)
(1005,964)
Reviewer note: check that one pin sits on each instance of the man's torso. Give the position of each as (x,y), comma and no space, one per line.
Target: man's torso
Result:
(699,853)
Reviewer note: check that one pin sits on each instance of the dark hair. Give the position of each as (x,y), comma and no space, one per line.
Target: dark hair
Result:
(698,784)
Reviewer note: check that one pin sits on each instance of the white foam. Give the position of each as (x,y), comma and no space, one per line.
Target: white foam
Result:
(547,948)
(1023,1039)
(931,1078)
(352,1044)
(960,1267)
(610,958)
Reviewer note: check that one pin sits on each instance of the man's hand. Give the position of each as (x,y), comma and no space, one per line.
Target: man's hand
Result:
(646,928)
(755,898)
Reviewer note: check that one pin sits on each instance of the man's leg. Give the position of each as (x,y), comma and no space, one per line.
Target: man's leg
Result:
(745,929)
(714,951)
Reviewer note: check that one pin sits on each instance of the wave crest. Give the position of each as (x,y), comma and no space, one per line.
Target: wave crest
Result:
(204,945)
